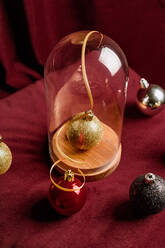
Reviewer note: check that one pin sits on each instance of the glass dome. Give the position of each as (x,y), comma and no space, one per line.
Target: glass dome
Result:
(86,78)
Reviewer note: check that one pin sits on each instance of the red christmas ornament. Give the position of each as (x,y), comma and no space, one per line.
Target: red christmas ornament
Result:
(67,195)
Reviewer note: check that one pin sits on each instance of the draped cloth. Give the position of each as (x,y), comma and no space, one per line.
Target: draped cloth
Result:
(28,31)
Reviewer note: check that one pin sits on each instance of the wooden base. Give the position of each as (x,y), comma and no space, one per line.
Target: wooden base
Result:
(95,163)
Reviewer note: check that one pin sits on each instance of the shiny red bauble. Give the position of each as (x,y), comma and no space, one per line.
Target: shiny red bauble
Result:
(67,203)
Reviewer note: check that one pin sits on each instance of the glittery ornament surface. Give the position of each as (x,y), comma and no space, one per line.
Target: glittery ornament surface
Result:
(5,158)
(84,133)
(148,198)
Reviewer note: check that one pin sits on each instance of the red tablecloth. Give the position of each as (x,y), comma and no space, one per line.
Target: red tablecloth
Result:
(106,220)
(28,31)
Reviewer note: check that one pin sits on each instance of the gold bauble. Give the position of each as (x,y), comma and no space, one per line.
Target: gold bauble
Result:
(5,157)
(84,130)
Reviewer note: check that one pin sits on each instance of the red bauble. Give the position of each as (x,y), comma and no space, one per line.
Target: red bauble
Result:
(64,202)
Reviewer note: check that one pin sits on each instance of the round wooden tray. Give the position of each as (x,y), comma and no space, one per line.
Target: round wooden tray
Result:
(98,162)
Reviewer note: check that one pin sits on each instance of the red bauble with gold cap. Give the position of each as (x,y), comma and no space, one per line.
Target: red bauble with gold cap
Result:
(67,202)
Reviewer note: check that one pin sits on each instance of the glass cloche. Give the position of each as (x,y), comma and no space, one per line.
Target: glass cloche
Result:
(86,78)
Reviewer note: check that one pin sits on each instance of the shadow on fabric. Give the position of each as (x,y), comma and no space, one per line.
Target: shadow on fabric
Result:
(132,112)
(125,212)
(43,212)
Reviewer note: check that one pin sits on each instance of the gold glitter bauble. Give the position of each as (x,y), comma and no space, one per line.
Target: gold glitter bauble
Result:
(5,157)
(84,130)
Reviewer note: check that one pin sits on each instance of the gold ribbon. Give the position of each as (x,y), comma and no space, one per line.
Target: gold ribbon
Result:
(84,67)
(62,188)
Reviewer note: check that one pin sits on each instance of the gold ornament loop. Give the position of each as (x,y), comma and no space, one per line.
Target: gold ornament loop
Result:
(62,188)
(84,73)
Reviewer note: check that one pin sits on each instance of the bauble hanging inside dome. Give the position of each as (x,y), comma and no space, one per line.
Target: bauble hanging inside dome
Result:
(84,130)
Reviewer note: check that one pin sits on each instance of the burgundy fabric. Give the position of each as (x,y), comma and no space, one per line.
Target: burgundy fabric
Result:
(3,93)
(106,220)
(29,30)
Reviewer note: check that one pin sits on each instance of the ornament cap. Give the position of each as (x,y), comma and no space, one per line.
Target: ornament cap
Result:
(144,83)
(89,115)
(63,188)
(149,178)
(69,176)
(1,138)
